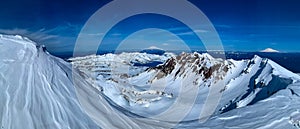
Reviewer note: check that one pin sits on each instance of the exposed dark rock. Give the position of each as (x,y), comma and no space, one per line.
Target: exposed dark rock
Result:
(196,64)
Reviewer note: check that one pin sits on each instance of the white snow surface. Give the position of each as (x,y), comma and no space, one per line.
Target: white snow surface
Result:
(269,50)
(38,90)
(35,89)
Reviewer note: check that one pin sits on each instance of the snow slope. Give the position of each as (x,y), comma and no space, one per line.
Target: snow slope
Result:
(35,88)
(248,84)
(39,90)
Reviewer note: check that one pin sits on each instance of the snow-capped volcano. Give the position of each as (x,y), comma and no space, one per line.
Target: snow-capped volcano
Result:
(153,50)
(39,90)
(269,50)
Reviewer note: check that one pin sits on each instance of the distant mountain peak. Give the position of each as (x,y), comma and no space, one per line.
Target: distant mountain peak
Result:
(153,50)
(269,50)
(154,47)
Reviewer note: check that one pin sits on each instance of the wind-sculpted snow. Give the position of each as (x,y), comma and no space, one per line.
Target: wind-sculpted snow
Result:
(36,91)
(110,91)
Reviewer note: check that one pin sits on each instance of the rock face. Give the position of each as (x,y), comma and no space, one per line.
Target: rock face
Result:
(204,66)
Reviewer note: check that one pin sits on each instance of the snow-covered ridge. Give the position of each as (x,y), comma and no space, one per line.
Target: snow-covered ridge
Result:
(203,65)
(123,57)
(37,90)
(247,81)
(122,64)
(17,39)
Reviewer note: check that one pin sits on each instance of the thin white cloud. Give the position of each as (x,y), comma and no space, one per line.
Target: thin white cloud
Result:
(165,44)
(223,26)
(95,34)
(273,43)
(40,35)
(192,32)
(175,40)
(183,30)
(200,31)
(116,34)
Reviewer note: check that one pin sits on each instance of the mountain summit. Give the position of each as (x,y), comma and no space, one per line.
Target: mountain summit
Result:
(153,50)
(269,50)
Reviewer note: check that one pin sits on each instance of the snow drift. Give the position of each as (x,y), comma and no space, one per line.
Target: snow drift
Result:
(36,89)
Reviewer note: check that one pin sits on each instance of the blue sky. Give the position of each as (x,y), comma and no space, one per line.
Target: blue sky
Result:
(243,25)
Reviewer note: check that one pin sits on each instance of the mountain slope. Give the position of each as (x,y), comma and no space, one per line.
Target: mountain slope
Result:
(42,91)
(248,84)
(36,90)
